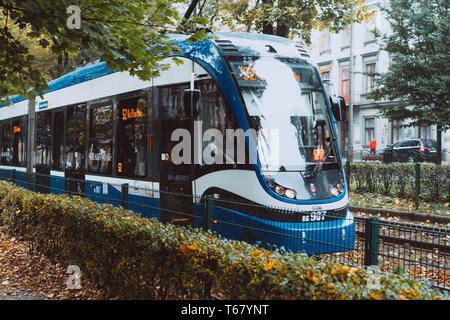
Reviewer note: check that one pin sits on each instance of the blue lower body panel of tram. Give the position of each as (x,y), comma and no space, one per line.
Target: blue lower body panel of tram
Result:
(146,206)
(57,185)
(309,237)
(19,177)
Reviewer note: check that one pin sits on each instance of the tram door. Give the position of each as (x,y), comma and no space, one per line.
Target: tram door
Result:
(75,150)
(43,151)
(175,179)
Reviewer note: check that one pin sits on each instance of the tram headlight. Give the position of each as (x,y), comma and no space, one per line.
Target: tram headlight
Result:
(289,193)
(279,190)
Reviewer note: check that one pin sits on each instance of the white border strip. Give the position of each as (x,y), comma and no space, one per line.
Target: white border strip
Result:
(245,183)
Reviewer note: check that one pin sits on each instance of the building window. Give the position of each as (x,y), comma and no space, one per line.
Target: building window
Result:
(424,132)
(345,83)
(326,76)
(324,43)
(370,79)
(396,131)
(325,73)
(346,37)
(369,130)
(371,26)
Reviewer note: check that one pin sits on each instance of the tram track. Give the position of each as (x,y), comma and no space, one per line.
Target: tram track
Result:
(418,250)
(421,251)
(427,237)
(438,243)
(403,215)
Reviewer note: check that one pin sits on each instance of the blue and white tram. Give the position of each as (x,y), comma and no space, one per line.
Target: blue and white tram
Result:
(245,119)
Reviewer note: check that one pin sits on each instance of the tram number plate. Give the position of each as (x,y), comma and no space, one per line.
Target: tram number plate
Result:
(314,216)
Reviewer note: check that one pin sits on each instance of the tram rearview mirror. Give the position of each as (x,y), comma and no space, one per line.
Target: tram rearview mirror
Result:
(338,108)
(192,99)
(320,123)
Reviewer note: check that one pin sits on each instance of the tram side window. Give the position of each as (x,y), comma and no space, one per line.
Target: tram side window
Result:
(217,114)
(19,142)
(6,156)
(75,137)
(100,140)
(171,99)
(132,137)
(58,141)
(43,139)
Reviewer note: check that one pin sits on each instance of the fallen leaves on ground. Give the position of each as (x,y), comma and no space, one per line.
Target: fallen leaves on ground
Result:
(401,258)
(26,276)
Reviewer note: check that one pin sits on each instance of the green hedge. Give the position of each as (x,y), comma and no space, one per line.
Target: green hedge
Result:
(398,180)
(132,257)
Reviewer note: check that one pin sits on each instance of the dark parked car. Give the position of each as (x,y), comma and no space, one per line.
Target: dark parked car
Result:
(411,150)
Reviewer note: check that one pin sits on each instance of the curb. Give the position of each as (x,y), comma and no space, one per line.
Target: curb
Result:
(414,216)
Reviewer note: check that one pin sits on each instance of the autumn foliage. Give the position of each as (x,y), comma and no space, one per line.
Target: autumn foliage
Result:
(132,257)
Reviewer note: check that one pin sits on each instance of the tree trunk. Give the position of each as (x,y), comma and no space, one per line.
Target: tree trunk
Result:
(282,30)
(267,26)
(439,145)
(59,67)
(66,61)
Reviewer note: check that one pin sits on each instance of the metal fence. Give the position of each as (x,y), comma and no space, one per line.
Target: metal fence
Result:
(417,251)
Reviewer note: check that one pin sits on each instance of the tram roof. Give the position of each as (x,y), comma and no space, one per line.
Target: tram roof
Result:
(230,43)
(82,74)
(244,43)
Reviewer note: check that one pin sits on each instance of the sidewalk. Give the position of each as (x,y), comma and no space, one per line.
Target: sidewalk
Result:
(27,276)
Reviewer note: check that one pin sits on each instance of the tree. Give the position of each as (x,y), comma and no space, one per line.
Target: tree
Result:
(286,18)
(419,77)
(50,65)
(129,35)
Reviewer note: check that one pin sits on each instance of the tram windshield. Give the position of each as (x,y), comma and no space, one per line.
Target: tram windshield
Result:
(287,110)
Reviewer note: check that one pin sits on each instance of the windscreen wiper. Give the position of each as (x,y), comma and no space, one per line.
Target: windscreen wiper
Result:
(309,175)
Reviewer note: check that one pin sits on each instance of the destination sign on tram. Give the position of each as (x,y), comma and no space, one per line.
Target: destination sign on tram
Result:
(246,72)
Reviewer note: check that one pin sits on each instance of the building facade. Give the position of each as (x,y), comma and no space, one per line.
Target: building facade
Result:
(343,58)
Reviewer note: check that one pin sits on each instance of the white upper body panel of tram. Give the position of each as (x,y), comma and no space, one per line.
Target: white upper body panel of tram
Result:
(103,87)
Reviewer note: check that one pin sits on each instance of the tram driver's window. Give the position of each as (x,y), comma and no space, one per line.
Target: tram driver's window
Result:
(100,140)
(131,137)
